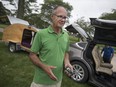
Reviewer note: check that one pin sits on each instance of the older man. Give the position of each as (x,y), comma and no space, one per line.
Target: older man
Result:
(52,44)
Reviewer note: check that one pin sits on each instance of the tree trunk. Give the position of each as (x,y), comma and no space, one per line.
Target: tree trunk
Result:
(21,7)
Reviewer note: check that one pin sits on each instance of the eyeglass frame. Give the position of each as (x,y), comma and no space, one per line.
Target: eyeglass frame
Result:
(61,17)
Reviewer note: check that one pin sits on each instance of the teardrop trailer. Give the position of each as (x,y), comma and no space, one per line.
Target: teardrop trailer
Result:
(88,66)
(19,37)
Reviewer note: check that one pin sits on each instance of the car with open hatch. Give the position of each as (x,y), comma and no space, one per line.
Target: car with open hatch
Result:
(86,58)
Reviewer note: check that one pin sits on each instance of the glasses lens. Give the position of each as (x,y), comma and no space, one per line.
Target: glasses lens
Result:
(60,16)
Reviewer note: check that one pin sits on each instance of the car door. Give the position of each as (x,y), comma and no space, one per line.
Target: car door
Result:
(105,31)
(75,28)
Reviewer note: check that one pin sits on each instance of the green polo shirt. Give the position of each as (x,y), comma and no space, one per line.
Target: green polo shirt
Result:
(51,48)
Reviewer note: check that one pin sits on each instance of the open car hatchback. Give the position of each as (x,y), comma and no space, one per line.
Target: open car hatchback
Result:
(86,58)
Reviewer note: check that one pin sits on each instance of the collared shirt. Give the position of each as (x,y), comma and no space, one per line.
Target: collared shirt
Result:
(51,48)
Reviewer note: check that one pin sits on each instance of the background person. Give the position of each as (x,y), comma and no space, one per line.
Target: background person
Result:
(52,44)
(108,53)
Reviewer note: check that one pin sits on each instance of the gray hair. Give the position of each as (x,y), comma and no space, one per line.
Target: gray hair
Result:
(54,9)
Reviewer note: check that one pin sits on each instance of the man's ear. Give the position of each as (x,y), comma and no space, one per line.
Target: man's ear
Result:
(51,16)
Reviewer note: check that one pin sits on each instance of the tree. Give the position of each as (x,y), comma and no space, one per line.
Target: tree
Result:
(35,20)
(39,19)
(3,10)
(24,7)
(21,7)
(85,25)
(47,7)
(110,16)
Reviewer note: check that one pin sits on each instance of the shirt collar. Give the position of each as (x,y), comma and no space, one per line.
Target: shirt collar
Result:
(50,30)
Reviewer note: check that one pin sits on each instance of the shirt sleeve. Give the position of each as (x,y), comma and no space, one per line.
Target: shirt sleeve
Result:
(68,43)
(112,50)
(37,43)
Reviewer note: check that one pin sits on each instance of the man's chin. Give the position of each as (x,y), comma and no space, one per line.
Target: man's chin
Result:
(60,26)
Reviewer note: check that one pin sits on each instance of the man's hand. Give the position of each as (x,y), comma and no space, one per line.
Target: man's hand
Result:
(48,70)
(67,62)
(69,66)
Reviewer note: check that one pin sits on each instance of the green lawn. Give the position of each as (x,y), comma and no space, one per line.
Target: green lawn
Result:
(3,25)
(16,70)
(1,35)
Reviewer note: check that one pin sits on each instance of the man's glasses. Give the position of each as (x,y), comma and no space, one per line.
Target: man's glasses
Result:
(61,17)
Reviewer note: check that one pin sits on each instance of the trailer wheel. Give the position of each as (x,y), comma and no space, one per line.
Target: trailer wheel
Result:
(12,47)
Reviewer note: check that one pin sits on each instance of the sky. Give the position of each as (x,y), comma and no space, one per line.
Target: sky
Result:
(85,8)
(89,8)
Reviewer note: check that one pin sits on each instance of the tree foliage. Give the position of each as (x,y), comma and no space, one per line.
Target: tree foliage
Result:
(88,28)
(35,20)
(48,6)
(3,10)
(110,16)
(85,25)
(33,16)
(25,7)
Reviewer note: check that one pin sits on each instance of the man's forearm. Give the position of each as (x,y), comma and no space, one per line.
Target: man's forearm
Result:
(48,69)
(36,61)
(66,58)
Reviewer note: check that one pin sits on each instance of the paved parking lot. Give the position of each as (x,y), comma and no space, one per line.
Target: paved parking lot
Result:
(114,62)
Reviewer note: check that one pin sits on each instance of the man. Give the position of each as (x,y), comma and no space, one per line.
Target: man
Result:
(108,53)
(52,44)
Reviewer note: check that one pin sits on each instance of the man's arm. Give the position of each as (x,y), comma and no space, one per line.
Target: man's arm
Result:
(48,69)
(112,52)
(67,61)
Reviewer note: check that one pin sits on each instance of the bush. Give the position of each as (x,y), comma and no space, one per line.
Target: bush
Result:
(74,39)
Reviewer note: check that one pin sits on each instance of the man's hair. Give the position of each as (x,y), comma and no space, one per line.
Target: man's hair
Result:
(55,8)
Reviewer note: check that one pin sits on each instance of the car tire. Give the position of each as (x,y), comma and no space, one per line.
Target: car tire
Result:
(12,47)
(80,72)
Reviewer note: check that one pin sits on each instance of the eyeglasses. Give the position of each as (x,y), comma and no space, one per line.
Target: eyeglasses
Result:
(61,17)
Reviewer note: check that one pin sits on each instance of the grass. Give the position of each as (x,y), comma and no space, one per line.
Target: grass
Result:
(1,35)
(3,25)
(16,70)
(74,39)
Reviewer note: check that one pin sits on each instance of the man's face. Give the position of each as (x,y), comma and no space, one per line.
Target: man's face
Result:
(59,18)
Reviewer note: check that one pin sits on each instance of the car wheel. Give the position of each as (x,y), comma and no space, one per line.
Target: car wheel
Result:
(12,47)
(80,72)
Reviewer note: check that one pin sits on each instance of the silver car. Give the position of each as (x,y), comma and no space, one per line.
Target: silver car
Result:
(85,56)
